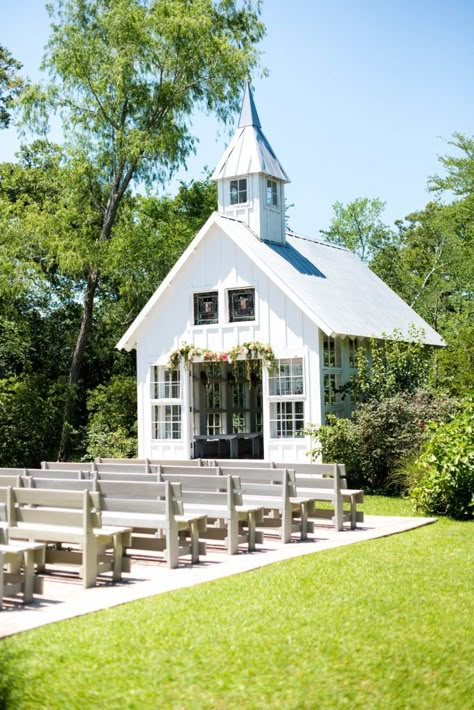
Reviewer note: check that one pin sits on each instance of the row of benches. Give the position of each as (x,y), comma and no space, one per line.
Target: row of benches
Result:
(172,510)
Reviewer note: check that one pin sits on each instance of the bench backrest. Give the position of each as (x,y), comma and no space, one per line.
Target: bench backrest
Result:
(70,473)
(78,509)
(242,463)
(67,465)
(129,491)
(153,462)
(115,497)
(124,467)
(11,472)
(63,484)
(6,481)
(123,476)
(166,469)
(319,469)
(277,482)
(223,491)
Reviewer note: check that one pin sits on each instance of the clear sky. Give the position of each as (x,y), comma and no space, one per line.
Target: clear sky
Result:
(361,98)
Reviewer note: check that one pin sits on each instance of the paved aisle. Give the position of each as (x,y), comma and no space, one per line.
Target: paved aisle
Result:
(63,596)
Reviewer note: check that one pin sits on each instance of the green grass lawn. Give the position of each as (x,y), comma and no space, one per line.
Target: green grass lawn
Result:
(382,624)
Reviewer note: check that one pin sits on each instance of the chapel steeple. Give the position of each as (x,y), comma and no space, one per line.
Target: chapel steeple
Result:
(250,178)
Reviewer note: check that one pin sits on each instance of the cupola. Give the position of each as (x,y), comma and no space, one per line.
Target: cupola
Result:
(250,178)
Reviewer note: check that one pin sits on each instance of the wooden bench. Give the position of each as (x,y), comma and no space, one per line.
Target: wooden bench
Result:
(17,569)
(61,473)
(154,511)
(327,483)
(275,491)
(72,518)
(152,462)
(63,484)
(83,466)
(220,499)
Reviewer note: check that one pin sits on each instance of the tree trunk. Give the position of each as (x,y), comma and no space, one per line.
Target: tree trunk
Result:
(76,362)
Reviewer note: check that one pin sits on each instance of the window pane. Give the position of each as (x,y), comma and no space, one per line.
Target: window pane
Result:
(238,191)
(272,193)
(286,419)
(242,305)
(287,378)
(206,308)
(166,421)
(165,383)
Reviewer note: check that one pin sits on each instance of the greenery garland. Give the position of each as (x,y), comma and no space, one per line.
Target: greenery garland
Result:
(249,351)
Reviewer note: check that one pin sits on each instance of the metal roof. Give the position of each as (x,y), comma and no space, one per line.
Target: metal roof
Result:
(249,151)
(331,285)
(343,295)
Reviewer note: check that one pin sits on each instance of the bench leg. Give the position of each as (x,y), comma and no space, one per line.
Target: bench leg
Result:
(194,541)
(1,580)
(233,535)
(286,523)
(304,520)
(252,524)
(89,563)
(29,572)
(172,548)
(353,512)
(338,513)
(117,552)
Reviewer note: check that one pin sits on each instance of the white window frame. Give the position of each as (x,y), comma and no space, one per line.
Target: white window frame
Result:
(240,190)
(271,196)
(166,411)
(291,401)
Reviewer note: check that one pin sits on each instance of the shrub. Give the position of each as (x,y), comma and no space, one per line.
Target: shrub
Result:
(380,438)
(112,426)
(443,475)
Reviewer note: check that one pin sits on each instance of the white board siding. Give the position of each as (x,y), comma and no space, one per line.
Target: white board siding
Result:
(219,264)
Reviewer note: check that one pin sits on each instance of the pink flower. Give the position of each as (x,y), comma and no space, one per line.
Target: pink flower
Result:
(224,357)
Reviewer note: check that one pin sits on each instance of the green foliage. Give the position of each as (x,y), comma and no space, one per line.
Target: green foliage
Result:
(10,84)
(358,226)
(410,596)
(389,366)
(30,417)
(380,438)
(112,426)
(442,479)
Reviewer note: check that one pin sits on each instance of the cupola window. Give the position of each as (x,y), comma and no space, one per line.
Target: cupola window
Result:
(272,193)
(242,305)
(238,191)
(206,308)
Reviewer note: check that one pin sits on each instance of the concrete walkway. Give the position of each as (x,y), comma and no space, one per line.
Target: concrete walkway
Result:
(63,596)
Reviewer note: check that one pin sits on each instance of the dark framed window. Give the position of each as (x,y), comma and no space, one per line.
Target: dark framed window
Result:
(238,191)
(206,308)
(272,193)
(242,304)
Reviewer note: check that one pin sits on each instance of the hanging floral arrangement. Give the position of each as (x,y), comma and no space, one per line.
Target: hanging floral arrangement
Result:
(249,351)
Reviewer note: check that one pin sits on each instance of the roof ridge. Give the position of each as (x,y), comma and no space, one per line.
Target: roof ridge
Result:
(316,241)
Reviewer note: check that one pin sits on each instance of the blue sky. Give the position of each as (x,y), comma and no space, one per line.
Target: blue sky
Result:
(361,98)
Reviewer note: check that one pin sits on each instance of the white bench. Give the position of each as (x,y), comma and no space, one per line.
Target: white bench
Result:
(154,511)
(71,517)
(220,499)
(327,482)
(275,491)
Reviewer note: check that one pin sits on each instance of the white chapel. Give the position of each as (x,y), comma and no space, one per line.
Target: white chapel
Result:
(253,331)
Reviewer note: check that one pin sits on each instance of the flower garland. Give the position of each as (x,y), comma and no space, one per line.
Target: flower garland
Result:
(248,351)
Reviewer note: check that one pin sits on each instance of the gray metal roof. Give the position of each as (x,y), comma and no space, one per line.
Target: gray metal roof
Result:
(249,151)
(343,294)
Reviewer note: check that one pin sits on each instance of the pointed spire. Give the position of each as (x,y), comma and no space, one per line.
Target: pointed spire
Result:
(248,112)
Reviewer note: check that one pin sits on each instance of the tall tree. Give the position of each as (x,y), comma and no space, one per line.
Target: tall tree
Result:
(10,84)
(359,227)
(126,77)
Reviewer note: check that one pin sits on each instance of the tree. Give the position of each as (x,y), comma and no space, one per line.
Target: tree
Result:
(10,84)
(359,227)
(126,77)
